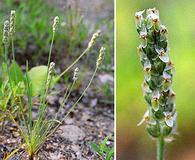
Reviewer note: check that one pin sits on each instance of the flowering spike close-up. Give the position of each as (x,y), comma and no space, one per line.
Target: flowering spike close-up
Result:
(158,74)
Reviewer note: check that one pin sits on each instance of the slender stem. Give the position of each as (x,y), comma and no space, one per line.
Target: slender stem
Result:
(44,95)
(81,96)
(160,148)
(13,54)
(14,59)
(75,104)
(64,100)
(5,53)
(67,69)
(50,50)
(48,64)
(6,60)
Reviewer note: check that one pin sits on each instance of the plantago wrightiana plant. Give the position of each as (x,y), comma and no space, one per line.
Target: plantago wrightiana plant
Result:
(36,83)
(160,117)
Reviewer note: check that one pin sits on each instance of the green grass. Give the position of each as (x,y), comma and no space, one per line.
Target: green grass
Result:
(33,21)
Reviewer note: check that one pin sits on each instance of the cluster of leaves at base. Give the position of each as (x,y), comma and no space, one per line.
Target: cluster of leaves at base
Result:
(104,151)
(32,24)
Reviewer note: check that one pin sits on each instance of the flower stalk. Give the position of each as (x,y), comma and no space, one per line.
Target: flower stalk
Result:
(160,117)
(160,148)
(91,43)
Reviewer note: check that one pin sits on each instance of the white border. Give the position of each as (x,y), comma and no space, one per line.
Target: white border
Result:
(115,79)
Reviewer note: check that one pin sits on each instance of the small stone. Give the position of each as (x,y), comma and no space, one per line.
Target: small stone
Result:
(105,78)
(93,102)
(72,133)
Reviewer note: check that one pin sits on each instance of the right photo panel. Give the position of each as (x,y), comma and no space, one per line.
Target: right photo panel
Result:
(155,73)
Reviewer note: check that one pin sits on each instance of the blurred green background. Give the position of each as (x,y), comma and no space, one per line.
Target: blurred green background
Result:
(133,143)
(78,21)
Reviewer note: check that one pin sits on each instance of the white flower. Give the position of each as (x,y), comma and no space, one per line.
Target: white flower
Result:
(172,96)
(146,118)
(143,34)
(170,66)
(166,75)
(162,55)
(139,15)
(170,118)
(146,88)
(163,29)
(154,18)
(152,11)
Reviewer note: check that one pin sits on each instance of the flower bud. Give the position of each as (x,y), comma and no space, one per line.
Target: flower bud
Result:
(154,130)
(101,57)
(6,33)
(55,23)
(50,72)
(75,76)
(166,130)
(12,22)
(155,100)
(167,84)
(94,39)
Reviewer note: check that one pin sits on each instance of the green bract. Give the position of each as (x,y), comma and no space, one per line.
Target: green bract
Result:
(158,69)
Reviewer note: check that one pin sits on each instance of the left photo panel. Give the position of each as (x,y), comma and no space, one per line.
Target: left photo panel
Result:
(57,80)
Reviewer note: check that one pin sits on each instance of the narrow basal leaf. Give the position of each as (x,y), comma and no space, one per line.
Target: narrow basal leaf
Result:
(16,74)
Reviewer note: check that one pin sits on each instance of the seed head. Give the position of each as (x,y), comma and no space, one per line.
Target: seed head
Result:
(75,76)
(94,39)
(55,23)
(101,57)
(50,72)
(12,22)
(6,32)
